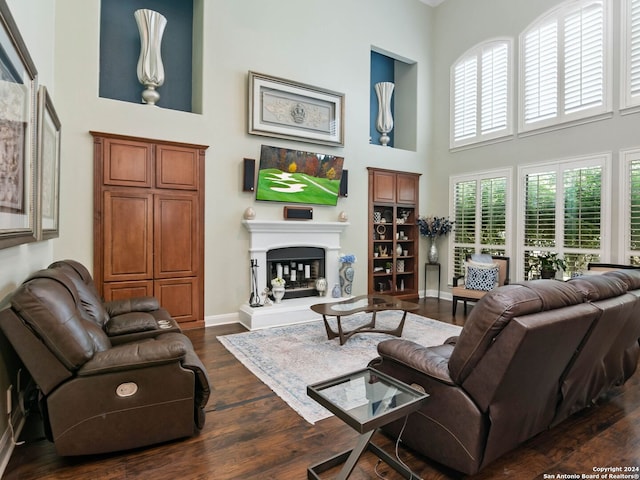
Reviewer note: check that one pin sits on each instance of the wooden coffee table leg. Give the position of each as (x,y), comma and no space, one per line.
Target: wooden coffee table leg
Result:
(398,331)
(330,333)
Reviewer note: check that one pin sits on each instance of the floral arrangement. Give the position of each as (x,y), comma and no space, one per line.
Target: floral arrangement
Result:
(278,282)
(434,226)
(347,258)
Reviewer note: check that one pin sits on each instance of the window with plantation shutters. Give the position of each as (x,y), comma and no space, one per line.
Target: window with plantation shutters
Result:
(564,65)
(630,183)
(480,210)
(481,93)
(565,210)
(630,54)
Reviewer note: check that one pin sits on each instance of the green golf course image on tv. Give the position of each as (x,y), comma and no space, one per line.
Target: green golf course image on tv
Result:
(294,176)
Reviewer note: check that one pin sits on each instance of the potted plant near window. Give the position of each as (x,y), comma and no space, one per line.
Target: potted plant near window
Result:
(550,263)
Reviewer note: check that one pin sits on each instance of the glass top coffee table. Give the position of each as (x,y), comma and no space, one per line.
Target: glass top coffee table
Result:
(365,400)
(363,303)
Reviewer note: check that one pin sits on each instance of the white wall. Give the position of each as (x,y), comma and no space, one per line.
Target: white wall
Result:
(319,42)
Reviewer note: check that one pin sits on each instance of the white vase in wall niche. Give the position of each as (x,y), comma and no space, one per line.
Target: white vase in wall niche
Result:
(384,121)
(150,69)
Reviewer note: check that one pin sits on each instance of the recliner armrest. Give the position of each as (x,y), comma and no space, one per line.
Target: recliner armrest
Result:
(137,304)
(134,355)
(431,361)
(457,279)
(130,322)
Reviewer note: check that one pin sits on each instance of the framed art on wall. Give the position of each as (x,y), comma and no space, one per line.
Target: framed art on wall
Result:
(285,109)
(18,77)
(49,128)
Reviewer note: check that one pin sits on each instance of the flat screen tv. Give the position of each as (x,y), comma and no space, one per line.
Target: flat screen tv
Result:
(294,176)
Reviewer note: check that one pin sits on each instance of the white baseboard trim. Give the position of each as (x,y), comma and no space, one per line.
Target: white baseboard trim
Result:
(224,319)
(6,442)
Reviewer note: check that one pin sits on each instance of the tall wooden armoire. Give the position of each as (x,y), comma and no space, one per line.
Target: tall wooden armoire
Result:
(148,222)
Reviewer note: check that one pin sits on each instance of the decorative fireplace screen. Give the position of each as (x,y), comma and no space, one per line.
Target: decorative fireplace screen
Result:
(300,267)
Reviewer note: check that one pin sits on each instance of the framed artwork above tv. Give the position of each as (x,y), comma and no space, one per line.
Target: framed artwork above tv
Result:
(294,176)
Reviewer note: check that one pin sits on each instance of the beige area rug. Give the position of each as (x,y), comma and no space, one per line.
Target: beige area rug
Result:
(287,359)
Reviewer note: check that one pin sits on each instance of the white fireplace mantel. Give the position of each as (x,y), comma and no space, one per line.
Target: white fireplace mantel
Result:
(266,235)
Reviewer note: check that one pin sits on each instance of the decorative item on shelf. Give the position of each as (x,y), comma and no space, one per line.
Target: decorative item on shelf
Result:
(336,293)
(384,121)
(388,266)
(399,250)
(381,230)
(321,286)
(346,273)
(150,70)
(402,284)
(400,266)
(377,216)
(254,298)
(432,228)
(343,216)
(547,264)
(249,213)
(277,289)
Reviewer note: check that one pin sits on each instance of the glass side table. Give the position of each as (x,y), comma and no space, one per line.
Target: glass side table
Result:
(365,400)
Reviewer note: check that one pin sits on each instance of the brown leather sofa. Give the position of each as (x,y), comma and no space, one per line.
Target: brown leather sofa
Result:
(97,396)
(528,356)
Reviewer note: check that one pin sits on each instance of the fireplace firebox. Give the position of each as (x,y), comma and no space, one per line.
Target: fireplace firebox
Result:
(300,267)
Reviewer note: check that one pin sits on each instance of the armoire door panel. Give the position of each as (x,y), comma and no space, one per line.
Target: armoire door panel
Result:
(128,163)
(128,235)
(180,297)
(407,189)
(176,168)
(384,186)
(176,233)
(124,290)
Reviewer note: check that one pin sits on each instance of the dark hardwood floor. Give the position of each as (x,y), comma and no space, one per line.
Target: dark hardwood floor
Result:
(251,434)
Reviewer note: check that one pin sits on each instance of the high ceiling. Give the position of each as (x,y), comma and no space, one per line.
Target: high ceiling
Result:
(433,3)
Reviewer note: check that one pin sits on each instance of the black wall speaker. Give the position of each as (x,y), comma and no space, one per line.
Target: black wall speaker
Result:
(298,213)
(344,184)
(249,175)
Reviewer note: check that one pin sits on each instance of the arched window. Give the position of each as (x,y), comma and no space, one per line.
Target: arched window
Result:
(481,86)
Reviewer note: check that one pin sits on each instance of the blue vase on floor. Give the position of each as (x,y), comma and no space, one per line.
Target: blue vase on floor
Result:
(346,273)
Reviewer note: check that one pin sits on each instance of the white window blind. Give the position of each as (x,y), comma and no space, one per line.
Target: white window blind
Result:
(582,207)
(630,218)
(481,210)
(465,99)
(541,73)
(631,54)
(634,207)
(480,83)
(565,210)
(494,88)
(564,65)
(540,209)
(584,58)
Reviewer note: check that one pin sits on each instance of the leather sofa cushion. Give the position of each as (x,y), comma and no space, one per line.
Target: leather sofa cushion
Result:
(496,309)
(136,304)
(628,276)
(598,287)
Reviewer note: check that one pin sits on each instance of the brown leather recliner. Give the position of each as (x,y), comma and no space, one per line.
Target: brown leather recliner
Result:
(528,356)
(122,320)
(97,397)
